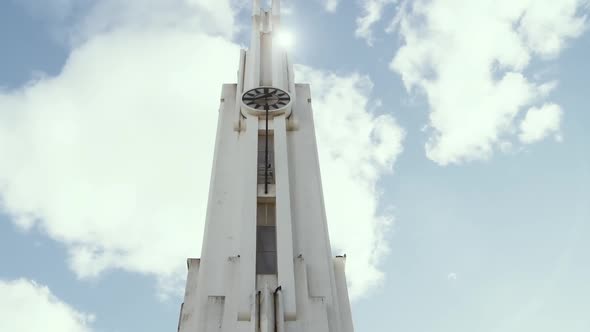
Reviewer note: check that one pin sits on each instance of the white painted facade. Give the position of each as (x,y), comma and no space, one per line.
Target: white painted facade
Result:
(226,290)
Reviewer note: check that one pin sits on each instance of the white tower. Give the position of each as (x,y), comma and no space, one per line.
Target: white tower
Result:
(266,261)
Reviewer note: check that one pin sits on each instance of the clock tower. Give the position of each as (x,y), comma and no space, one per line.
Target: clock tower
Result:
(266,262)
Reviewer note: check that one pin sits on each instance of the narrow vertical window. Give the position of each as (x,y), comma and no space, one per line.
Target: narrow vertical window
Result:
(266,169)
(266,239)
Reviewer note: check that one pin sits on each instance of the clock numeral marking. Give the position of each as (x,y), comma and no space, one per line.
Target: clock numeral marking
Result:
(266,98)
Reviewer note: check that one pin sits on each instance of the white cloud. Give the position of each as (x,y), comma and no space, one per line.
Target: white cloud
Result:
(209,16)
(470,60)
(331,5)
(112,157)
(28,307)
(546,25)
(356,149)
(94,17)
(540,123)
(372,13)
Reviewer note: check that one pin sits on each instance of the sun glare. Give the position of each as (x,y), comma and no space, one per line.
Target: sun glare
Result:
(286,39)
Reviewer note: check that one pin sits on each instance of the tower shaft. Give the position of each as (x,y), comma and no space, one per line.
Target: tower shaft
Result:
(266,261)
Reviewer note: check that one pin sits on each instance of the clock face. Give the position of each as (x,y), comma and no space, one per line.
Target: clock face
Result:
(266,98)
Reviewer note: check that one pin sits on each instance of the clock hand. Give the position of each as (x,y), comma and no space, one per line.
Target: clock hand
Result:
(264,96)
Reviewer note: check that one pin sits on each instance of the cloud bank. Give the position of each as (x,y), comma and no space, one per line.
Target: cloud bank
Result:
(470,59)
(112,156)
(26,306)
(356,148)
(372,13)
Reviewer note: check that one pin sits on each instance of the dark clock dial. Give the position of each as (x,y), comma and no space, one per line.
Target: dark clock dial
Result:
(266,98)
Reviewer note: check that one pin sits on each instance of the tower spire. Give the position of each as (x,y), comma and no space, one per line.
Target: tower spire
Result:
(267,264)
(276,7)
(256,7)
(267,63)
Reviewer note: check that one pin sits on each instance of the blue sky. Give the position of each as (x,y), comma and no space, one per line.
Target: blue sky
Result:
(458,129)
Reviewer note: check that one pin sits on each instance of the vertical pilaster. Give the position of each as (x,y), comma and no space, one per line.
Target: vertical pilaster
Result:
(255,7)
(276,8)
(232,283)
(285,257)
(252,72)
(279,68)
(267,68)
(279,65)
(342,289)
(240,90)
(247,253)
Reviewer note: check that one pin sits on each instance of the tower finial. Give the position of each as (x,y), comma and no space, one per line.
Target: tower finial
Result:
(256,7)
(276,7)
